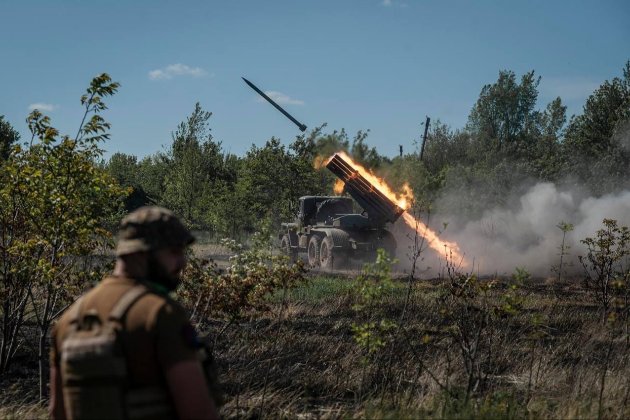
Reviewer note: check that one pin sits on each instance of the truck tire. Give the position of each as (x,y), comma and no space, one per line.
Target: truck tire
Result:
(285,247)
(313,251)
(326,256)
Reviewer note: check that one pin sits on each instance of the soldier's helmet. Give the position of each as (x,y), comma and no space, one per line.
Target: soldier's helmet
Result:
(150,228)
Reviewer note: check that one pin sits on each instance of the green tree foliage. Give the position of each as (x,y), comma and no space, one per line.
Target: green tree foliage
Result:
(228,213)
(221,192)
(445,147)
(8,137)
(270,180)
(504,109)
(365,155)
(55,202)
(505,123)
(244,289)
(507,140)
(597,143)
(306,163)
(605,263)
(193,163)
(125,169)
(327,144)
(197,174)
(267,183)
(151,174)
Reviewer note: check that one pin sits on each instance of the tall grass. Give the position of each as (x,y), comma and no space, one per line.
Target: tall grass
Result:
(318,369)
(307,362)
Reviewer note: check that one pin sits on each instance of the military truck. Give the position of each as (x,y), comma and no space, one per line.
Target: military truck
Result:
(330,232)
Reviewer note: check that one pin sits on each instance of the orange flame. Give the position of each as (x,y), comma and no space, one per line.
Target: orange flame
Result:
(403,200)
(320,162)
(338,188)
(451,249)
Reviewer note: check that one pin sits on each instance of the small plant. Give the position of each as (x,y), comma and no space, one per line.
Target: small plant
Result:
(466,314)
(370,286)
(244,288)
(564,251)
(473,311)
(416,251)
(605,263)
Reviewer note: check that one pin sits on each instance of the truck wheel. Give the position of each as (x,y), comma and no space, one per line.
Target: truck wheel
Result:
(326,257)
(285,247)
(313,251)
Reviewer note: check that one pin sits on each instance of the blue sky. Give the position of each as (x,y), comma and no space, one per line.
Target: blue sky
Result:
(369,64)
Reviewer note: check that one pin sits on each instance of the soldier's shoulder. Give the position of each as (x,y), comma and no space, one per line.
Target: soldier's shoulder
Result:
(61,325)
(154,308)
(154,299)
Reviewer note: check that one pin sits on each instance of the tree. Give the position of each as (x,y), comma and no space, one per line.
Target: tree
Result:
(307,157)
(196,163)
(504,109)
(8,137)
(605,264)
(124,169)
(55,204)
(227,213)
(553,119)
(151,175)
(596,145)
(326,145)
(273,177)
(363,154)
(506,141)
(265,181)
(543,156)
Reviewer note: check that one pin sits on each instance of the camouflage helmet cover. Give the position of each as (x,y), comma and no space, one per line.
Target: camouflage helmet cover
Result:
(149,228)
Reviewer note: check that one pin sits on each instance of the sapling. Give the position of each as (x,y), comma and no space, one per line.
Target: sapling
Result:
(604,262)
(564,251)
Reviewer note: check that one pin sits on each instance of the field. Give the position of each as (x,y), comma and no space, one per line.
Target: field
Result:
(553,358)
(302,359)
(508,348)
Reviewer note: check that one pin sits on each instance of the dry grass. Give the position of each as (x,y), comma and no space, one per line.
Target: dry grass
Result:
(306,364)
(18,399)
(301,360)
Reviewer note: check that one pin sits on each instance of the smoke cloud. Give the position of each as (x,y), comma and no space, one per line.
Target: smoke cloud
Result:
(526,233)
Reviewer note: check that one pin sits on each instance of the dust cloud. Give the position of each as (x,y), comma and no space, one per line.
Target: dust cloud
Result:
(526,233)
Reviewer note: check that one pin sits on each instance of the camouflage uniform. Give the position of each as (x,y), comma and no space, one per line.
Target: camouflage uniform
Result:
(156,332)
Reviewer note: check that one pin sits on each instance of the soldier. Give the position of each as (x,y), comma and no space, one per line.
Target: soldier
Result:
(125,349)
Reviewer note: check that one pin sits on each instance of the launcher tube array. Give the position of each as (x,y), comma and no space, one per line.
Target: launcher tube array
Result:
(380,209)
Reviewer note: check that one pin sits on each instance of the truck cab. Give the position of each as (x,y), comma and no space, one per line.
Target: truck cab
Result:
(330,231)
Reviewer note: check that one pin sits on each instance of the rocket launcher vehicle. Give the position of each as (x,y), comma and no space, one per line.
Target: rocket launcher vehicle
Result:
(379,208)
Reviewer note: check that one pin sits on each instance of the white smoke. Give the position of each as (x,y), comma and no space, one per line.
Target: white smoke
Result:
(527,235)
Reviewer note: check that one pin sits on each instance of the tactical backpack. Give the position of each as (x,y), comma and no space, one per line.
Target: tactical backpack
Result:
(94,368)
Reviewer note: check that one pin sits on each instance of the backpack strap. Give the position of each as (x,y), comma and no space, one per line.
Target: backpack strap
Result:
(126,301)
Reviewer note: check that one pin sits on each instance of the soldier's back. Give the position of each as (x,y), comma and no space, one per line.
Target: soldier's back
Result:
(155,334)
